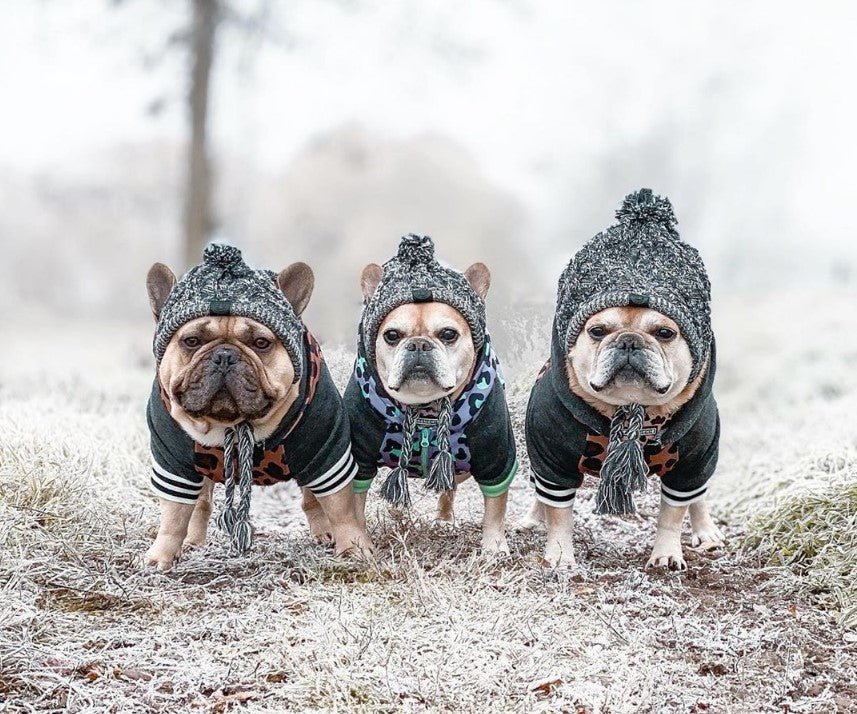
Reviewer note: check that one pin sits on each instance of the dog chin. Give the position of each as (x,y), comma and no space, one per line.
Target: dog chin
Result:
(224,410)
(417,390)
(631,390)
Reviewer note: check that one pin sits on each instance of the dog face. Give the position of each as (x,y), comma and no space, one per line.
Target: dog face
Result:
(630,355)
(222,370)
(424,351)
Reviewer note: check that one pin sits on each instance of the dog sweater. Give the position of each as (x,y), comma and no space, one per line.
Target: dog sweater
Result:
(567,438)
(480,438)
(311,444)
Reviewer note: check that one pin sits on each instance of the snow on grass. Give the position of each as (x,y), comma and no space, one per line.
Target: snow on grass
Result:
(430,624)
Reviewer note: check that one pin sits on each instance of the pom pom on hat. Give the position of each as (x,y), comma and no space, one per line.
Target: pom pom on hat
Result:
(643,207)
(416,250)
(227,257)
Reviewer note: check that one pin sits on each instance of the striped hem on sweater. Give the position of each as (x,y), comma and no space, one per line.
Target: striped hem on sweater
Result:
(552,495)
(682,498)
(173,487)
(336,477)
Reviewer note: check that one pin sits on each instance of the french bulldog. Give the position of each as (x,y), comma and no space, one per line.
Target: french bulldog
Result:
(418,351)
(216,372)
(632,355)
(628,390)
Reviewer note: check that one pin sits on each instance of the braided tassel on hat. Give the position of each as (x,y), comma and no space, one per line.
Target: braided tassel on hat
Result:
(234,520)
(624,470)
(395,487)
(441,475)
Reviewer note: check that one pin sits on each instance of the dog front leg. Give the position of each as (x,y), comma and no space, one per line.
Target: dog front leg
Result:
(706,534)
(348,533)
(198,528)
(494,525)
(167,547)
(446,501)
(559,548)
(666,552)
(360,508)
(535,518)
(317,520)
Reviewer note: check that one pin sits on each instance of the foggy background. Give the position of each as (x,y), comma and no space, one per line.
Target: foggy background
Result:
(508,130)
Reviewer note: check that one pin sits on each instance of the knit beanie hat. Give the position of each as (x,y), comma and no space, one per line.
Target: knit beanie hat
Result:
(639,261)
(223,284)
(413,276)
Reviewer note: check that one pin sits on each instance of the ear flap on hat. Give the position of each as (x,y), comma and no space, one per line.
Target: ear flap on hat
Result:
(297,282)
(479,278)
(369,279)
(159,282)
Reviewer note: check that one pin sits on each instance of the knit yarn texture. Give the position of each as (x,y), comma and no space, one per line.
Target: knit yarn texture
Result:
(639,261)
(413,275)
(223,284)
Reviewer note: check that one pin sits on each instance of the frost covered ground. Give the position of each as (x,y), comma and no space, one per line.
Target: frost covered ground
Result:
(430,625)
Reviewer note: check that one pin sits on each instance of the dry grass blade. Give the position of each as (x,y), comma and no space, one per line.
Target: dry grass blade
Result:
(816,536)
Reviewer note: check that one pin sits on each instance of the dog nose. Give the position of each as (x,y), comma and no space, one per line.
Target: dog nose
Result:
(420,344)
(629,342)
(224,357)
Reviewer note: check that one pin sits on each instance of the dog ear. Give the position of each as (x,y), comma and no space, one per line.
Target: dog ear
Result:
(159,282)
(370,277)
(479,278)
(296,283)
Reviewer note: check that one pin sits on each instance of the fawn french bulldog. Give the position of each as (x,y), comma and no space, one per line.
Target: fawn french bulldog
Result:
(627,392)
(426,398)
(242,396)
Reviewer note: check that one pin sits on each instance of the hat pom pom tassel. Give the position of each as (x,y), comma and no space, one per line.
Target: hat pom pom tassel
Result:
(242,536)
(395,488)
(441,474)
(226,519)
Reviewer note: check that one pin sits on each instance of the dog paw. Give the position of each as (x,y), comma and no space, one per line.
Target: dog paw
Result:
(445,517)
(667,558)
(528,523)
(163,553)
(534,520)
(352,541)
(494,544)
(558,556)
(707,538)
(319,528)
(195,538)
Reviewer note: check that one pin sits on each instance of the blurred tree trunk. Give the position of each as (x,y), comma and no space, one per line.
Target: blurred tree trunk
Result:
(198,219)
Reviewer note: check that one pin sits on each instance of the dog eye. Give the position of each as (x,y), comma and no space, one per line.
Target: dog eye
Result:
(665,333)
(448,335)
(191,342)
(598,332)
(262,343)
(391,337)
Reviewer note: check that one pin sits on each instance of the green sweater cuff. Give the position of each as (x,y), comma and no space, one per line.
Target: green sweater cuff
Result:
(498,489)
(362,485)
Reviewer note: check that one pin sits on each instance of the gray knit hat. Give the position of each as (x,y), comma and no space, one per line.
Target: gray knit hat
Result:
(223,284)
(414,276)
(639,261)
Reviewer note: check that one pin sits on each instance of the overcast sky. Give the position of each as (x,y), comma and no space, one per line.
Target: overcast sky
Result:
(755,100)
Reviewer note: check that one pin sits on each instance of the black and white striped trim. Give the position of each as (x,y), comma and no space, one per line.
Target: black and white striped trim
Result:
(175,488)
(336,477)
(682,498)
(552,495)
